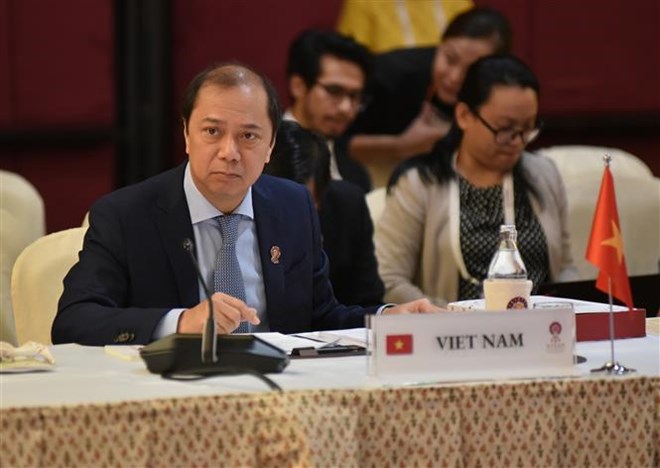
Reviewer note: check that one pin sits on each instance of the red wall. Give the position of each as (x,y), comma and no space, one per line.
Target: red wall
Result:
(207,31)
(592,56)
(56,79)
(597,60)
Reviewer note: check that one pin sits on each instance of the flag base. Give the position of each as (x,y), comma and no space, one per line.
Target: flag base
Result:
(614,369)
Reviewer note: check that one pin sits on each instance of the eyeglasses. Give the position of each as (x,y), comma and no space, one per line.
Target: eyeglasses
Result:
(338,93)
(505,136)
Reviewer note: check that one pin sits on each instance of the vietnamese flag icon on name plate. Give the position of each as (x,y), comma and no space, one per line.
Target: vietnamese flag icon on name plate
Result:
(399,344)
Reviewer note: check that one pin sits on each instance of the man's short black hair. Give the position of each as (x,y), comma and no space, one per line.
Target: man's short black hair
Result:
(230,75)
(307,49)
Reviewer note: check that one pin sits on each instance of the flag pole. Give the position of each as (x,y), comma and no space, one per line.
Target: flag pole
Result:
(611,303)
(612,366)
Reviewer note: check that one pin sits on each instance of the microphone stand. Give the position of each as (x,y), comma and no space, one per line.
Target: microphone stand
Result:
(210,333)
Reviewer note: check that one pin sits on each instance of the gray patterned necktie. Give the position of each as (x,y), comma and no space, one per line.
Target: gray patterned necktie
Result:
(227,277)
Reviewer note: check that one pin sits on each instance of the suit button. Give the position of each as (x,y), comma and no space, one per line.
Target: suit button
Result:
(123,337)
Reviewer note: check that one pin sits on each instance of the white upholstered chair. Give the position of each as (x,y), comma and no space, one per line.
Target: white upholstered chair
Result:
(36,282)
(638,201)
(22,221)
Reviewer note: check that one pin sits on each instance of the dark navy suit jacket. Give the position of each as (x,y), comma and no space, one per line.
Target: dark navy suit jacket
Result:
(133,269)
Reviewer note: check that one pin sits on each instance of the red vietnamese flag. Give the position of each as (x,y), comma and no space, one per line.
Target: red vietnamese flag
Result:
(399,344)
(605,249)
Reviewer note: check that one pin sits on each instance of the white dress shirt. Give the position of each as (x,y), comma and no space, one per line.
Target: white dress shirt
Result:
(208,241)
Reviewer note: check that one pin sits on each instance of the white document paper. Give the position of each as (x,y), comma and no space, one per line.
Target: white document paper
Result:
(346,337)
(288,342)
(124,352)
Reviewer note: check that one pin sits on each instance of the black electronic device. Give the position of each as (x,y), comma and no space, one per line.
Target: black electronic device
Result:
(178,355)
(328,351)
(195,355)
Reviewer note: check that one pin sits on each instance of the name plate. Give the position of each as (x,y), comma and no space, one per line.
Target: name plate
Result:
(473,345)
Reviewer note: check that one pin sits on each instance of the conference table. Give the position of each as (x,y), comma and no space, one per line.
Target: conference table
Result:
(97,410)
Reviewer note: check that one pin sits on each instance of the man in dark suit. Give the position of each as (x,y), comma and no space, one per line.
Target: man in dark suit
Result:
(134,282)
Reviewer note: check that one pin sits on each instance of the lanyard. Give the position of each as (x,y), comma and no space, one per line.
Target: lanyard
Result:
(455,220)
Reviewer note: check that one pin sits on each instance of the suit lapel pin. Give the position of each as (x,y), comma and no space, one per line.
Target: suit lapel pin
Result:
(275,254)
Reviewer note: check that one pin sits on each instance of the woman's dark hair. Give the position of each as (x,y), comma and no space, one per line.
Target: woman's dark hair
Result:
(482,76)
(482,23)
(301,156)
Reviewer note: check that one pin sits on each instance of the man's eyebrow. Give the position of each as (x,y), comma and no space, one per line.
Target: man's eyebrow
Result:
(246,126)
(211,120)
(252,126)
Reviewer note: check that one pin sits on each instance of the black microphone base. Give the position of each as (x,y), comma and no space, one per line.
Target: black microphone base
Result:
(180,354)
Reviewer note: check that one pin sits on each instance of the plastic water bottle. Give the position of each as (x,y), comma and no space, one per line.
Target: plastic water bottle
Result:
(507,286)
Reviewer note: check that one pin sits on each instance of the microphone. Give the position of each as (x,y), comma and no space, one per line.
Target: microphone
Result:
(209,335)
(177,356)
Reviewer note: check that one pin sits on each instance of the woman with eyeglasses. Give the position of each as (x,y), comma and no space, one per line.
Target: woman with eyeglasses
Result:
(440,226)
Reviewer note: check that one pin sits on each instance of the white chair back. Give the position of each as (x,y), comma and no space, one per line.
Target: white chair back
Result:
(638,201)
(36,282)
(22,221)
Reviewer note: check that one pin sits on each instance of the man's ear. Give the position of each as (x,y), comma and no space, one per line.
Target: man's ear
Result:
(462,113)
(185,133)
(270,149)
(297,87)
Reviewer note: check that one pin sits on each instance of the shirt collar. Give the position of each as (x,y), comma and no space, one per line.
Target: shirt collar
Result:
(201,209)
(288,115)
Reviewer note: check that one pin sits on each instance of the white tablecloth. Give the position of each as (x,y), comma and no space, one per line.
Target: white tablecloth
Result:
(89,375)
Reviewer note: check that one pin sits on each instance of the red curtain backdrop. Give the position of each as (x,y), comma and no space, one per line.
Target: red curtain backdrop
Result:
(595,58)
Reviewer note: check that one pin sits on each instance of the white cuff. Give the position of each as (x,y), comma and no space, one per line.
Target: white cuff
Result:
(168,324)
(383,307)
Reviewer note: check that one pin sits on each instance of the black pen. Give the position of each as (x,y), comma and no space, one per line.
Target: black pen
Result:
(333,351)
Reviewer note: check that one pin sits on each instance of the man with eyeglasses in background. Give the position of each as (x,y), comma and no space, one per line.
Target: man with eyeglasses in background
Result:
(326,75)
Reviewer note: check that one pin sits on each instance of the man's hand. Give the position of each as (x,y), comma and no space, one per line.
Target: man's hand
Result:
(229,312)
(420,306)
(423,132)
